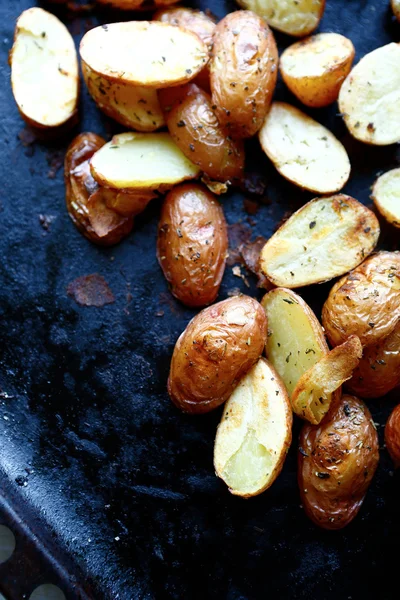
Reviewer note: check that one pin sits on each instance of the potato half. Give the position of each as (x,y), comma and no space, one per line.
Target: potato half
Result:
(304,151)
(295,17)
(315,68)
(141,161)
(369,98)
(189,18)
(255,432)
(149,54)
(396,8)
(322,240)
(386,196)
(44,69)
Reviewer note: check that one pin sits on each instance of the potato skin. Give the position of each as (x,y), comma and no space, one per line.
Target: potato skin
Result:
(336,463)
(365,302)
(217,348)
(392,435)
(243,72)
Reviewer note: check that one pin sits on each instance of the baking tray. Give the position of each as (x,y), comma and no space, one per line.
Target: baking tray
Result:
(109,489)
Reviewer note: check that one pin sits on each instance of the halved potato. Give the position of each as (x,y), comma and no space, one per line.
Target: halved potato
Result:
(304,151)
(133,106)
(386,196)
(149,54)
(127,204)
(315,68)
(369,98)
(189,18)
(44,69)
(141,161)
(295,17)
(396,8)
(311,398)
(322,240)
(255,432)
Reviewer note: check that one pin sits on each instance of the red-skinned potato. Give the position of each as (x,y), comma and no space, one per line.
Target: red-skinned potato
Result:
(192,244)
(336,463)
(217,348)
(243,72)
(392,435)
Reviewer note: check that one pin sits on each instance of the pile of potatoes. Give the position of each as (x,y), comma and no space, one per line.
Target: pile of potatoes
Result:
(189,92)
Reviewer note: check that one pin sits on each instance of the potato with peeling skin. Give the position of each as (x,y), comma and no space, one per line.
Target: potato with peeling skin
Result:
(297,18)
(322,240)
(255,432)
(336,463)
(217,348)
(192,245)
(386,196)
(392,435)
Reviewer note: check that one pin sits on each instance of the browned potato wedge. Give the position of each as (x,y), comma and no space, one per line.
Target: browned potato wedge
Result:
(214,352)
(255,432)
(379,369)
(336,463)
(243,72)
(304,151)
(369,98)
(396,8)
(315,68)
(386,196)
(192,245)
(295,17)
(366,302)
(295,340)
(322,240)
(141,161)
(44,70)
(392,435)
(132,106)
(312,396)
(149,54)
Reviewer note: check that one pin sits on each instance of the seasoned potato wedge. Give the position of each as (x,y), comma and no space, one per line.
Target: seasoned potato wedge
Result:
(295,17)
(336,463)
(295,340)
(255,432)
(369,98)
(149,54)
(304,151)
(396,8)
(322,240)
(44,70)
(214,352)
(386,196)
(132,106)
(141,161)
(196,130)
(366,302)
(378,371)
(312,396)
(315,68)
(392,435)
(243,72)
(192,245)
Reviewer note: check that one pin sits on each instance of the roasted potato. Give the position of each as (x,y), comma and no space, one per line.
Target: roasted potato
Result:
(195,129)
(255,432)
(322,240)
(304,151)
(336,463)
(315,68)
(366,302)
(44,70)
(148,54)
(217,348)
(396,8)
(127,204)
(369,98)
(295,17)
(312,396)
(392,435)
(386,196)
(243,72)
(189,18)
(378,371)
(141,161)
(192,244)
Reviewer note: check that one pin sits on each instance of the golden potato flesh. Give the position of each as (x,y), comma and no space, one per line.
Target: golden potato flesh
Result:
(336,463)
(392,435)
(295,17)
(127,204)
(386,196)
(315,68)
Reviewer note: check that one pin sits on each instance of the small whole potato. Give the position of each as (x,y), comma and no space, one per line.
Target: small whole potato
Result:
(217,348)
(192,244)
(243,72)
(392,435)
(336,463)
